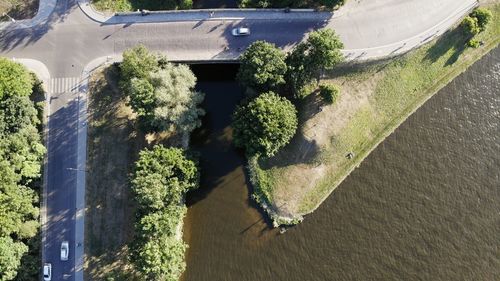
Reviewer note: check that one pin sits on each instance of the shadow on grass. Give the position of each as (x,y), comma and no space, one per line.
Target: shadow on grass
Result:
(454,40)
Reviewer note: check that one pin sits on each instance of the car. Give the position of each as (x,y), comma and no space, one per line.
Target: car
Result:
(241,31)
(47,272)
(64,250)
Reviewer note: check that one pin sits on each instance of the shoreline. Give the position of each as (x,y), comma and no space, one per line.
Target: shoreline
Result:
(277,214)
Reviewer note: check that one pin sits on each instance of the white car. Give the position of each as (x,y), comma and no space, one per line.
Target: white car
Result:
(64,250)
(241,31)
(47,272)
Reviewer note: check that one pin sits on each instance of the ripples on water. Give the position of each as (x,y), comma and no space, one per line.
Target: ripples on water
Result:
(425,205)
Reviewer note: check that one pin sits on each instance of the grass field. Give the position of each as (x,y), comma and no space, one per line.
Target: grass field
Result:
(133,5)
(18,9)
(374,100)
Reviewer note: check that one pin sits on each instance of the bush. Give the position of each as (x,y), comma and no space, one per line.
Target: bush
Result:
(470,26)
(483,17)
(262,67)
(264,125)
(473,43)
(329,92)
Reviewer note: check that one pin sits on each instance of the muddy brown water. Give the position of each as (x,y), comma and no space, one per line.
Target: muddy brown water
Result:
(425,205)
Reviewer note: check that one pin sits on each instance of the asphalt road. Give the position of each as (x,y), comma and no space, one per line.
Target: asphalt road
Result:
(69,40)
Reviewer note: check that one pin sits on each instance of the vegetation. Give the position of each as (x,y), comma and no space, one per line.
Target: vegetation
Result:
(134,5)
(262,67)
(375,99)
(264,125)
(160,92)
(161,179)
(320,4)
(18,9)
(329,92)
(21,153)
(475,23)
(309,59)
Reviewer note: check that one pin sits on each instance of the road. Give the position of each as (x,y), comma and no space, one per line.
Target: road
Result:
(66,40)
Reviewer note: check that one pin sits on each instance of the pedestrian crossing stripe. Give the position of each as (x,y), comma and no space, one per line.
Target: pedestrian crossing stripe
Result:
(64,85)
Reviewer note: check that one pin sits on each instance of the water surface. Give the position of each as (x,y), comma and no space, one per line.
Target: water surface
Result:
(425,205)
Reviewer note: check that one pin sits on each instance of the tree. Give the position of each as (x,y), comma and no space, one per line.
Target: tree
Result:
(483,17)
(470,26)
(10,257)
(137,62)
(162,176)
(161,93)
(15,79)
(160,258)
(264,125)
(262,67)
(309,59)
(176,102)
(299,73)
(323,50)
(163,222)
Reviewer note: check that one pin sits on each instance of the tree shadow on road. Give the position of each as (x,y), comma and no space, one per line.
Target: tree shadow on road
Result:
(15,36)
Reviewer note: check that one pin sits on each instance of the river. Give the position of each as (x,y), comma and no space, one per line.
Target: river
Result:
(424,205)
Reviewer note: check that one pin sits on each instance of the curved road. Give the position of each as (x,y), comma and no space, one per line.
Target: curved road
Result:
(65,40)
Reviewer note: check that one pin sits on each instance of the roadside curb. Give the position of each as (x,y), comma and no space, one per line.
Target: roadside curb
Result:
(45,8)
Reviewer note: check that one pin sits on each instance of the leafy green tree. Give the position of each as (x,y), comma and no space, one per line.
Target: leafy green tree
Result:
(15,79)
(162,176)
(10,257)
(161,258)
(262,67)
(264,125)
(163,222)
(308,60)
(483,17)
(470,26)
(176,102)
(299,72)
(323,50)
(137,62)
(142,99)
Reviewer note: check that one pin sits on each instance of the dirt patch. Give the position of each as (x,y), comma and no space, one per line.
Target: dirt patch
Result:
(18,9)
(112,148)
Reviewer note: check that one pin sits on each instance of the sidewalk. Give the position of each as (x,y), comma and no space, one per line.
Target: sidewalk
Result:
(201,15)
(45,8)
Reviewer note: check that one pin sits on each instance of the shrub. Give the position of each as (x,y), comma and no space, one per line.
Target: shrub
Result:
(329,92)
(473,43)
(470,26)
(264,125)
(483,16)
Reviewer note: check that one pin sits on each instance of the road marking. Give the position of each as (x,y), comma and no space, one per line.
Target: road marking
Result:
(60,85)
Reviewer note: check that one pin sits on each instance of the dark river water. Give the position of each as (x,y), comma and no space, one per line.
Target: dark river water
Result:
(425,205)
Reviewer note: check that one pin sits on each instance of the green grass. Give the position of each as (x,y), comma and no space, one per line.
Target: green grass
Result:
(405,84)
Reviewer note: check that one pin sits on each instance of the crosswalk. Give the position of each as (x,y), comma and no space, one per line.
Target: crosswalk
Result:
(64,85)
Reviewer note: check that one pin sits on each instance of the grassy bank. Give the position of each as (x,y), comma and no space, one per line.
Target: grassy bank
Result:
(18,9)
(134,5)
(374,100)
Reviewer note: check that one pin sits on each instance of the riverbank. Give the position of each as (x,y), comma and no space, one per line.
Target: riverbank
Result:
(375,99)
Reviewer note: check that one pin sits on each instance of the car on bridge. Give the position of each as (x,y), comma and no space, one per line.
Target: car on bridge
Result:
(241,31)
